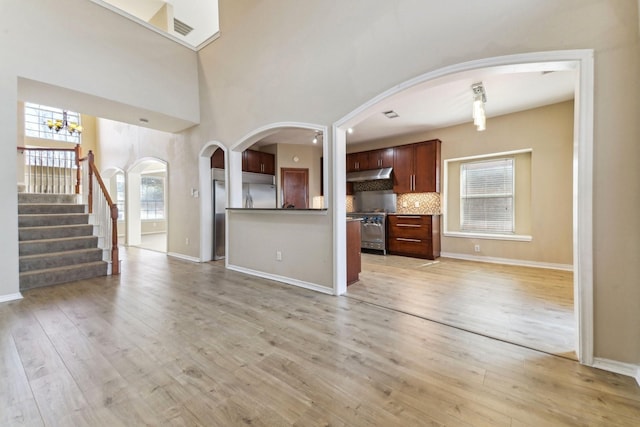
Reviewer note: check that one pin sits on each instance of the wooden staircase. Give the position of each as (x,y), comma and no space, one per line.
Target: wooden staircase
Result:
(57,244)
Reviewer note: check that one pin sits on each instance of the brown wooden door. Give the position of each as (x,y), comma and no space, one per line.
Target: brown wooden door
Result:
(403,169)
(295,188)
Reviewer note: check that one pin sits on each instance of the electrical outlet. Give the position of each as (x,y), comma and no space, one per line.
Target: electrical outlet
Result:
(278,256)
(476,248)
(404,204)
(186,241)
(416,204)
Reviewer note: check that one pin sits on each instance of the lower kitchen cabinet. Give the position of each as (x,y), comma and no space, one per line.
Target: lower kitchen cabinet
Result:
(354,265)
(414,235)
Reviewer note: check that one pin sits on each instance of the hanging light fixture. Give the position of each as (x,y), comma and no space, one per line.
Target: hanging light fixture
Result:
(58,125)
(479,99)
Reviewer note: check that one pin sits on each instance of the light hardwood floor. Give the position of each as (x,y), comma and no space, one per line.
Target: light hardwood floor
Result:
(176,343)
(528,306)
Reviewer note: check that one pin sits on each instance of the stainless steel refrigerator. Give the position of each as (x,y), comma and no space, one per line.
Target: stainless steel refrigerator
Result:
(258,196)
(219,207)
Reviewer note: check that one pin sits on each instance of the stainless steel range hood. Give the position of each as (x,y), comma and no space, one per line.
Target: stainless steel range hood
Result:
(370,175)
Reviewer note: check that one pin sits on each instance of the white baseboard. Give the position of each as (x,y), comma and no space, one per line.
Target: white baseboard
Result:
(508,261)
(622,368)
(184,257)
(10,297)
(283,279)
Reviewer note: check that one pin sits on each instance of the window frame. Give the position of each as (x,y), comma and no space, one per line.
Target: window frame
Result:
(445,199)
(465,168)
(144,212)
(35,123)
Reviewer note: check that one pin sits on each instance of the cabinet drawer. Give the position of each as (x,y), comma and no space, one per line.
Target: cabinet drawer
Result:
(414,231)
(409,219)
(412,247)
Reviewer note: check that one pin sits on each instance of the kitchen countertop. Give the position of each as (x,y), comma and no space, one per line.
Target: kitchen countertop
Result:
(414,214)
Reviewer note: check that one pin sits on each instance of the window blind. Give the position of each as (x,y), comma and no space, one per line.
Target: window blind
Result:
(486,196)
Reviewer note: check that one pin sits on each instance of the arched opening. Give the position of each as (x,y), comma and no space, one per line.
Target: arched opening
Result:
(207,208)
(146,205)
(582,62)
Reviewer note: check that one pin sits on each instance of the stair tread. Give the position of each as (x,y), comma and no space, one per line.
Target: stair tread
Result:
(59,239)
(52,254)
(50,204)
(63,268)
(56,214)
(39,227)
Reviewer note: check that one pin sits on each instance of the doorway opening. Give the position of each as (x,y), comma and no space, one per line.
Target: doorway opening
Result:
(146,205)
(580,281)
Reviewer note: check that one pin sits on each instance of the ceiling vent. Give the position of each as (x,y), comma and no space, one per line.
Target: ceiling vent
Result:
(180,27)
(390,114)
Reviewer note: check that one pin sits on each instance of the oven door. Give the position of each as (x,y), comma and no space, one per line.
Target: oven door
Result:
(372,235)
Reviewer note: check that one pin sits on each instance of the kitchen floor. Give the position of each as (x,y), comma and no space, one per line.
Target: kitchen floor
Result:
(531,307)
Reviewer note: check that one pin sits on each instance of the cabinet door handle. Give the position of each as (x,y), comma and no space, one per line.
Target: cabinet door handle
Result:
(409,217)
(408,225)
(408,240)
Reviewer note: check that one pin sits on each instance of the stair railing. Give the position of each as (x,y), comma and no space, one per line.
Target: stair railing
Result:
(103,211)
(51,170)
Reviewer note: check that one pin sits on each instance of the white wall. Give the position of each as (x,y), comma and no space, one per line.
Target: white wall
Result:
(87,60)
(318,70)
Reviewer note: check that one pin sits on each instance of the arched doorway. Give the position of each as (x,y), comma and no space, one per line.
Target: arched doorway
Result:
(582,61)
(146,205)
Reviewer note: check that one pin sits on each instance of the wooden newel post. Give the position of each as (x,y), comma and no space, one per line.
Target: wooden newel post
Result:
(90,165)
(78,177)
(115,260)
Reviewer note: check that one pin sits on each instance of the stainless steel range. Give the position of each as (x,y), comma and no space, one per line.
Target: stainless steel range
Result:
(373,228)
(372,207)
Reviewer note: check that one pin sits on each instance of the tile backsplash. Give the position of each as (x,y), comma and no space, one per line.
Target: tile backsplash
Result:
(350,204)
(428,203)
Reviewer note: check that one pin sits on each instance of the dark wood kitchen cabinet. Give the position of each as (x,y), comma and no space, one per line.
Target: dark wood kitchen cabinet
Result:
(414,235)
(217,159)
(357,161)
(258,162)
(382,158)
(416,167)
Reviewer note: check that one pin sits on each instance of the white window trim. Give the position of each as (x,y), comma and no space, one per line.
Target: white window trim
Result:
(445,198)
(65,138)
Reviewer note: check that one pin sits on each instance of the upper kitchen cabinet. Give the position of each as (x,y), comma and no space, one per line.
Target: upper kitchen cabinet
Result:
(258,162)
(357,161)
(416,167)
(382,158)
(217,159)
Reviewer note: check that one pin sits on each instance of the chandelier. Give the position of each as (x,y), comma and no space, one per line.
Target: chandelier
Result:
(479,99)
(58,125)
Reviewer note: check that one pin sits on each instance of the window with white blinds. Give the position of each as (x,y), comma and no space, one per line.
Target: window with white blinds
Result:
(486,196)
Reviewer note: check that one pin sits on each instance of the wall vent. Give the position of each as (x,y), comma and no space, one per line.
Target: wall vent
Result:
(180,27)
